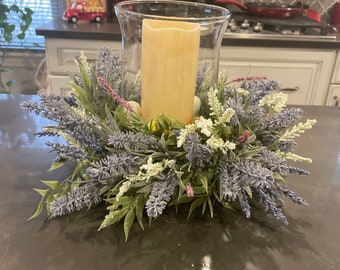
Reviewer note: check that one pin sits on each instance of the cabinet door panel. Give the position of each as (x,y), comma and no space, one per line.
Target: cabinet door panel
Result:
(59,85)
(62,52)
(304,74)
(295,78)
(333,96)
(336,73)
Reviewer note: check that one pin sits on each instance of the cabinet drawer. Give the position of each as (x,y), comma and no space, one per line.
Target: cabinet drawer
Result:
(302,74)
(60,53)
(333,98)
(59,85)
(336,73)
(295,79)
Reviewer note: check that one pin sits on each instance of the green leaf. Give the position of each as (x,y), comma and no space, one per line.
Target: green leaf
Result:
(85,77)
(48,202)
(14,8)
(249,153)
(204,180)
(39,209)
(113,217)
(10,83)
(183,199)
(140,203)
(5,70)
(123,200)
(128,221)
(21,36)
(57,164)
(279,177)
(28,11)
(51,184)
(248,190)
(196,203)
(42,192)
(199,190)
(211,208)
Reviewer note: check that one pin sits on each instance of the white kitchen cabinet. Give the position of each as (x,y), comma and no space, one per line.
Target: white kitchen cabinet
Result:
(333,98)
(60,56)
(303,74)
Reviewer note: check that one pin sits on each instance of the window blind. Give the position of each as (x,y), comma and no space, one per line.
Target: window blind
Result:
(44,11)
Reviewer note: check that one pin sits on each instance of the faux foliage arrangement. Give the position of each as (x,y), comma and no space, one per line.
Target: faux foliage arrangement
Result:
(236,149)
(12,19)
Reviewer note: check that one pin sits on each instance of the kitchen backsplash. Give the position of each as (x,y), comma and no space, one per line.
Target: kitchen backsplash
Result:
(325,7)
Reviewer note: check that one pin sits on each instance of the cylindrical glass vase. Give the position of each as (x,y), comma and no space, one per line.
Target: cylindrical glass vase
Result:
(174,46)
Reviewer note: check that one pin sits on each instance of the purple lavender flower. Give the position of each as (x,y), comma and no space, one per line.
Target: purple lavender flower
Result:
(283,119)
(298,171)
(75,200)
(244,204)
(161,194)
(109,65)
(132,140)
(115,165)
(198,154)
(258,88)
(253,174)
(270,205)
(292,195)
(287,145)
(68,151)
(229,184)
(273,162)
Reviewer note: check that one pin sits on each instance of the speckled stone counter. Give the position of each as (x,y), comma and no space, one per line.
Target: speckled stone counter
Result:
(311,240)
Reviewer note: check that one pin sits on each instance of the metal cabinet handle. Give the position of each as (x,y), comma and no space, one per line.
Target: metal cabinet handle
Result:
(336,99)
(293,89)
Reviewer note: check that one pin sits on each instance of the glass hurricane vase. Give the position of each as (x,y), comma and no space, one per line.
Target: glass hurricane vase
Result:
(174,46)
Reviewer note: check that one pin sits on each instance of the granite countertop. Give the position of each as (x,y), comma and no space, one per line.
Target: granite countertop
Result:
(110,31)
(311,240)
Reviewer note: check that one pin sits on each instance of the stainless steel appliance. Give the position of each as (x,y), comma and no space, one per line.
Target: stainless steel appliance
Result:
(298,27)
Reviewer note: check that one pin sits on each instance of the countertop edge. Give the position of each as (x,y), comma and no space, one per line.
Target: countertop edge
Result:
(110,31)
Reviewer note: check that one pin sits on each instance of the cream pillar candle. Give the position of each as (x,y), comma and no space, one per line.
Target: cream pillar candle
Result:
(169,68)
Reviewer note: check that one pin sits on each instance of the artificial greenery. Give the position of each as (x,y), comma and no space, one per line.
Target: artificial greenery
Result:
(235,150)
(12,20)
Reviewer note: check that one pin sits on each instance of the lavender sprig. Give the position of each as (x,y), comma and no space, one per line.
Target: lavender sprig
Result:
(75,200)
(133,140)
(109,65)
(115,165)
(161,193)
(252,174)
(198,154)
(283,119)
(245,204)
(292,195)
(270,205)
(258,88)
(69,151)
(229,185)
(273,162)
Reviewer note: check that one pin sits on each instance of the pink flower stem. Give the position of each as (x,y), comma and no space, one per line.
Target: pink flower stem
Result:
(241,79)
(115,95)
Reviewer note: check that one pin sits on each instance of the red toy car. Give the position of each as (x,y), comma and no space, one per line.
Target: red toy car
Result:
(83,11)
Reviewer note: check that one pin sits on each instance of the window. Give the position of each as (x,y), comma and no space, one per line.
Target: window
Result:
(44,11)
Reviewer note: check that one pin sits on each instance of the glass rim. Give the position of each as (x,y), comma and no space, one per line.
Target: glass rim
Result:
(225,13)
